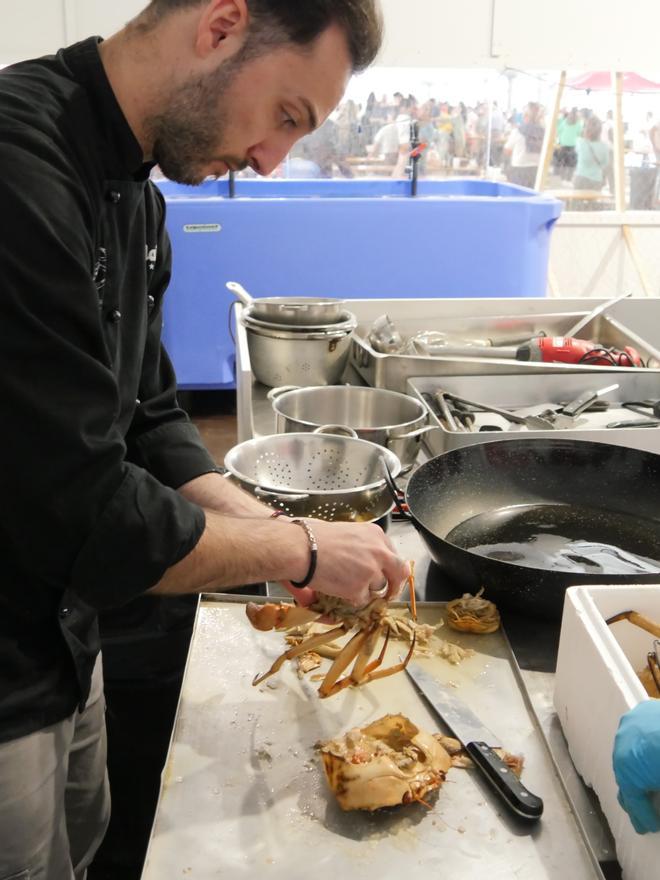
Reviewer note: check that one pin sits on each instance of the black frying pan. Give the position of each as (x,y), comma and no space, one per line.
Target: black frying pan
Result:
(545,515)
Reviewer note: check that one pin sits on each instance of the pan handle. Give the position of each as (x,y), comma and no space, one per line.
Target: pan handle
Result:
(274,393)
(239,292)
(417,433)
(394,492)
(337,431)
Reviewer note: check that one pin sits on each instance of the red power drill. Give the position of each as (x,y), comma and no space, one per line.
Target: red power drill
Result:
(567,350)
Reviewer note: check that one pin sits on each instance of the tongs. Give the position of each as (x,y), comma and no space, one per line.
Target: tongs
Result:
(534,423)
(640,406)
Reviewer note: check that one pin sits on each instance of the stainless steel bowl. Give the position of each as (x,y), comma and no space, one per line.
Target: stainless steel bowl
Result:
(346,321)
(324,476)
(282,357)
(297,310)
(390,419)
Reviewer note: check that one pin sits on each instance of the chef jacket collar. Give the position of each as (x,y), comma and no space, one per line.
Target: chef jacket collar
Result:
(122,152)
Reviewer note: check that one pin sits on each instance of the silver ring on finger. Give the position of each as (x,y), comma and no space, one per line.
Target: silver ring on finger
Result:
(379,592)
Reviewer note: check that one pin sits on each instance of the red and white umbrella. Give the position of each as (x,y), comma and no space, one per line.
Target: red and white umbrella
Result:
(601,81)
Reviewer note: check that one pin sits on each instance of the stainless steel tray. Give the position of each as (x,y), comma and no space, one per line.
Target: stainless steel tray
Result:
(391,370)
(530,394)
(244,795)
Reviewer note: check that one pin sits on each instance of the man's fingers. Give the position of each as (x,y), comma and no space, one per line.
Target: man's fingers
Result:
(397,579)
(306,596)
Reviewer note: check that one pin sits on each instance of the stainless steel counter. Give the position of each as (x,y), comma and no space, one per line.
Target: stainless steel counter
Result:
(244,793)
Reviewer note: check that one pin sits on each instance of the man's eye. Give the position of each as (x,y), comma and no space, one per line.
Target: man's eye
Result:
(289,121)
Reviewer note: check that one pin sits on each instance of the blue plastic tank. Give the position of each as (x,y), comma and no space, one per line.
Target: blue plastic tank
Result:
(341,238)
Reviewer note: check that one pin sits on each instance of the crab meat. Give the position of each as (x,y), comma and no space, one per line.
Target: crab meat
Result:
(384,764)
(473,614)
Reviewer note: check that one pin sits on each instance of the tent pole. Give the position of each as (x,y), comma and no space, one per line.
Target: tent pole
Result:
(550,137)
(635,256)
(620,182)
(619,167)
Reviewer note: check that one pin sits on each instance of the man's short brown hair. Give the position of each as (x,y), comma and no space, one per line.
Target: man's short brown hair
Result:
(300,22)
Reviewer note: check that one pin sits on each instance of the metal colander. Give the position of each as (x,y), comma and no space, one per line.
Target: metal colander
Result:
(324,476)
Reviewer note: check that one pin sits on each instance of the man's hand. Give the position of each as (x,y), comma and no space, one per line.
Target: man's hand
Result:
(636,761)
(352,558)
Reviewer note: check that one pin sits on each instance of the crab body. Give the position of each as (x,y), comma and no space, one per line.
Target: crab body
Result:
(384,764)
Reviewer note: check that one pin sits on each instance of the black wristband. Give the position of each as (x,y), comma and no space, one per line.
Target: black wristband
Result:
(313,546)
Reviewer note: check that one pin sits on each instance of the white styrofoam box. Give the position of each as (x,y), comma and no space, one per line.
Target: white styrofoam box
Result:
(595,684)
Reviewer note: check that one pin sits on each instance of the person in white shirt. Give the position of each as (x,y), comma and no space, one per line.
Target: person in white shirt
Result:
(386,143)
(524,147)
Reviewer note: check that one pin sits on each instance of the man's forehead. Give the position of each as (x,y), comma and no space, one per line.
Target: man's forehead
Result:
(321,75)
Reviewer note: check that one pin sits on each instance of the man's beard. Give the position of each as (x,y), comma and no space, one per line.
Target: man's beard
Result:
(189,133)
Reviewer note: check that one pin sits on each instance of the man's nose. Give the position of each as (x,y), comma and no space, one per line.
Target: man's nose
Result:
(267,155)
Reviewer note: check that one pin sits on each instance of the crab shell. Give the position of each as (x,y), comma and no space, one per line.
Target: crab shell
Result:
(387,763)
(473,614)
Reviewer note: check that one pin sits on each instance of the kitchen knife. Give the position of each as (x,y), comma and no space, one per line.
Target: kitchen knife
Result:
(584,401)
(477,741)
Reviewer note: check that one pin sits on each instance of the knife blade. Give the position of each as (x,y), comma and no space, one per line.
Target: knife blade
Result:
(477,741)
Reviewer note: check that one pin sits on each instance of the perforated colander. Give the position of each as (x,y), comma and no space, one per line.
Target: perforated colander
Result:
(324,476)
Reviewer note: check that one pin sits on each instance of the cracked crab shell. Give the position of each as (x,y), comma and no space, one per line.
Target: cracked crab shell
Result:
(384,764)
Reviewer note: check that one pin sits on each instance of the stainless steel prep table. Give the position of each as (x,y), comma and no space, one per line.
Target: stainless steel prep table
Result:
(244,793)
(534,644)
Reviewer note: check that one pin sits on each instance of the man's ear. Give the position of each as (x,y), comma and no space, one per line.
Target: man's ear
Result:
(222,22)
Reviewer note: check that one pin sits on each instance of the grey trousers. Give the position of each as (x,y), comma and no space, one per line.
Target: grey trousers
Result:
(54,796)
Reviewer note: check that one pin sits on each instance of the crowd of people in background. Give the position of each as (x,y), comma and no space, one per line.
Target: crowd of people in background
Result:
(457,139)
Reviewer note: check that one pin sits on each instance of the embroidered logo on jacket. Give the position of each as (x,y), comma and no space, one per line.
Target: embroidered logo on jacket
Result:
(152,256)
(100,269)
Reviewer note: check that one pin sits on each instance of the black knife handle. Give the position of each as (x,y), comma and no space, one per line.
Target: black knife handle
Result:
(504,780)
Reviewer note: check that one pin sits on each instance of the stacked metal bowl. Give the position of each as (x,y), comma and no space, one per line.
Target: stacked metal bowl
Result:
(298,340)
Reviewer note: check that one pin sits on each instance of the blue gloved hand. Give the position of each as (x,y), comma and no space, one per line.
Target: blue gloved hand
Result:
(636,761)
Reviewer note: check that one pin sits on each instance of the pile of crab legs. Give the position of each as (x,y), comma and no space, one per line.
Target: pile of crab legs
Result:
(652,657)
(371,622)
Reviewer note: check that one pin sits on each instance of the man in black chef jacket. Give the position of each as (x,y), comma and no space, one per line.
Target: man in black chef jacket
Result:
(109,499)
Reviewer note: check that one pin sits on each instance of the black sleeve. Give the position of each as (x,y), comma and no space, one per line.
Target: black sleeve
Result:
(75,512)
(162,438)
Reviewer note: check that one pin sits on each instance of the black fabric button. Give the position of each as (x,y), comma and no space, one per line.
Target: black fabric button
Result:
(151,302)
(114,316)
(114,197)
(64,612)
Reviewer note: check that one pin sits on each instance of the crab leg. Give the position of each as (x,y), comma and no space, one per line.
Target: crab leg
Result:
(362,666)
(302,648)
(349,652)
(362,670)
(639,620)
(371,672)
(391,670)
(411,590)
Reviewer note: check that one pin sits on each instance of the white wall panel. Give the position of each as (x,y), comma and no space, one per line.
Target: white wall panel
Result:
(587,34)
(579,34)
(104,18)
(30,28)
(437,33)
(589,257)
